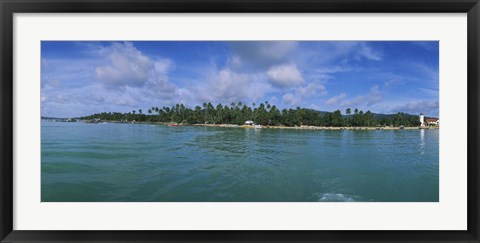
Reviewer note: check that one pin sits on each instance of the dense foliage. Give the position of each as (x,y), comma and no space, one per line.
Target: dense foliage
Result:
(264,114)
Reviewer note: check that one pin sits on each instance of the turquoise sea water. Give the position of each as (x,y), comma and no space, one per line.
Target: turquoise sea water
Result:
(141,162)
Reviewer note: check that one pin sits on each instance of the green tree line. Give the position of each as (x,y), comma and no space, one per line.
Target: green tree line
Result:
(264,114)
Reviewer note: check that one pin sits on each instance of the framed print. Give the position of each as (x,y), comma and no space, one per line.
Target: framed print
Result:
(239,121)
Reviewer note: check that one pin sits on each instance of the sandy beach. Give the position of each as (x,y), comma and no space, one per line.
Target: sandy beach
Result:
(313,127)
(275,127)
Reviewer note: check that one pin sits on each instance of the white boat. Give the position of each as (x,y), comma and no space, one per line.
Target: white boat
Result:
(257,126)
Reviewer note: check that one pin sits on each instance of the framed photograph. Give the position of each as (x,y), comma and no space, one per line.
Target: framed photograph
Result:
(222,121)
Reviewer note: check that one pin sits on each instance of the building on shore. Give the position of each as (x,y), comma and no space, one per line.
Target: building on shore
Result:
(432,121)
(426,122)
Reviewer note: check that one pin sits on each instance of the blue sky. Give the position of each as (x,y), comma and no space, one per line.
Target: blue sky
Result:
(82,78)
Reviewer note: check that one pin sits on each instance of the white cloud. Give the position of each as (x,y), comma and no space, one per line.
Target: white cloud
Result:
(315,107)
(123,78)
(273,100)
(394,82)
(429,92)
(290,99)
(333,69)
(301,94)
(428,107)
(126,65)
(69,72)
(284,75)
(336,99)
(48,83)
(97,97)
(367,52)
(163,66)
(312,89)
(226,86)
(373,97)
(234,61)
(139,78)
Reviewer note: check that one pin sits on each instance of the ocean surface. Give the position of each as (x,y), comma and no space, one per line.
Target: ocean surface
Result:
(110,162)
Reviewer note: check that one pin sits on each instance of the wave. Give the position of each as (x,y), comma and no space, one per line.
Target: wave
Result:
(336,197)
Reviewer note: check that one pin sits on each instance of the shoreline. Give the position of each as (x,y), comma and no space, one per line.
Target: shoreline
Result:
(303,127)
(313,127)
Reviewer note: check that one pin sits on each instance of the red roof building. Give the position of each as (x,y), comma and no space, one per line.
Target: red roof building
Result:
(432,121)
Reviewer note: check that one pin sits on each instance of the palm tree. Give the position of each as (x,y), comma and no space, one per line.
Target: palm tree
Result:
(262,114)
(219,113)
(337,118)
(198,114)
(348,111)
(368,117)
(204,112)
(166,109)
(210,112)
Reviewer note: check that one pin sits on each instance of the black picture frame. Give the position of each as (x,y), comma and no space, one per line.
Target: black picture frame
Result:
(9,7)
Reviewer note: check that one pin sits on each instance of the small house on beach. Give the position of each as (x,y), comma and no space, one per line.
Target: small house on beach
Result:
(426,122)
(432,121)
(251,123)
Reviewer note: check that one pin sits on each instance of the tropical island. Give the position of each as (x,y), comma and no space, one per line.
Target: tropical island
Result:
(188,121)
(265,114)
